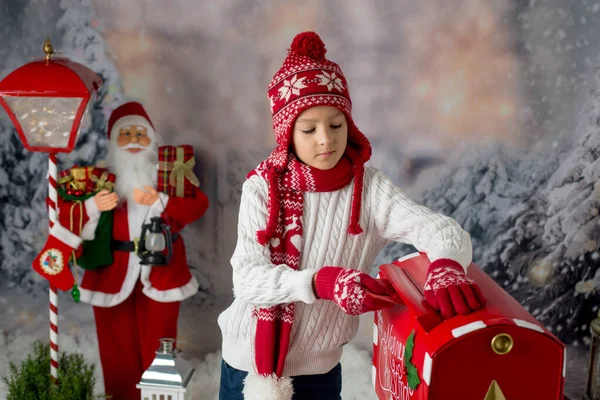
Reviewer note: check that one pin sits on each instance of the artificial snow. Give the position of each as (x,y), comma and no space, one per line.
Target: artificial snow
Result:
(25,320)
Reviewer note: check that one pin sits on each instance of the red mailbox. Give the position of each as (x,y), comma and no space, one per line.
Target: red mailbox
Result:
(499,352)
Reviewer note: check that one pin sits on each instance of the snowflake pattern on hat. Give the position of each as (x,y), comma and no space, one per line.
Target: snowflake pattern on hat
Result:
(290,87)
(331,81)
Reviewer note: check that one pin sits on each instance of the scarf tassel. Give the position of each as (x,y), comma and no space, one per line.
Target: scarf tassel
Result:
(263,236)
(355,228)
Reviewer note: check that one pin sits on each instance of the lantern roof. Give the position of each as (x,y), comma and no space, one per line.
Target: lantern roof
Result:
(167,370)
(57,76)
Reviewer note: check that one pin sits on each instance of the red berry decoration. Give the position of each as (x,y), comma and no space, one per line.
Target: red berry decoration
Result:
(308,44)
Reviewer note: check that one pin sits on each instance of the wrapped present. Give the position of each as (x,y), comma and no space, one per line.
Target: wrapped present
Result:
(79,183)
(175,170)
(498,352)
(101,179)
(74,181)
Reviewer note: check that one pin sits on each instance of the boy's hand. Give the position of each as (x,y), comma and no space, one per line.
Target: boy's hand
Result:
(449,290)
(353,291)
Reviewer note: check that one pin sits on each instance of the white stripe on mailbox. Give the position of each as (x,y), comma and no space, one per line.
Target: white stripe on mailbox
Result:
(408,257)
(375,338)
(427,369)
(374,375)
(528,325)
(468,328)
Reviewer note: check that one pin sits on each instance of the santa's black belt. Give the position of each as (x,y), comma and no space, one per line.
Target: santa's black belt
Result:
(131,246)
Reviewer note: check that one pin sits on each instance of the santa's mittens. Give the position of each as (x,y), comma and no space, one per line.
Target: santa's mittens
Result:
(353,291)
(53,261)
(449,290)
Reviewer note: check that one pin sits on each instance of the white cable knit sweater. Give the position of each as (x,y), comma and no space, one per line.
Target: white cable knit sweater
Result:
(320,328)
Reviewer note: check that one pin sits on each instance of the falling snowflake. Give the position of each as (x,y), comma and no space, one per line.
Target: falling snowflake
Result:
(331,81)
(292,86)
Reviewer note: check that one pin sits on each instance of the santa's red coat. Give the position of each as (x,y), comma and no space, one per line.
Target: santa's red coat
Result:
(111,285)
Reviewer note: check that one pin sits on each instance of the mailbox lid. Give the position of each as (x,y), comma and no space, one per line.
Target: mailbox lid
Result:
(408,274)
(533,369)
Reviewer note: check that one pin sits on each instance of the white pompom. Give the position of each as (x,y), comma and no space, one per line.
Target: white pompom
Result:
(257,387)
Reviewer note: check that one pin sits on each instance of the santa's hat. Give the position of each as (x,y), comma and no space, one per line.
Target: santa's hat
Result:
(127,114)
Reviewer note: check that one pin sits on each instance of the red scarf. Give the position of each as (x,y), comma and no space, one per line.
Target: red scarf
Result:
(274,324)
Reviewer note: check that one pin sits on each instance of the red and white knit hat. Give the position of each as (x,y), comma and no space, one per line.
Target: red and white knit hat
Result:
(127,114)
(307,79)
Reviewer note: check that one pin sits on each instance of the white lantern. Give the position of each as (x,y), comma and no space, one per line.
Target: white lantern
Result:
(168,376)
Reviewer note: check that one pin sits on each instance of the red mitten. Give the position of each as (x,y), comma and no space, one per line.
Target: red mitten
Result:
(353,291)
(53,261)
(448,289)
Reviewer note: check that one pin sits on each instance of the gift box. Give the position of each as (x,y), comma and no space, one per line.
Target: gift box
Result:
(498,352)
(81,182)
(74,181)
(100,179)
(175,171)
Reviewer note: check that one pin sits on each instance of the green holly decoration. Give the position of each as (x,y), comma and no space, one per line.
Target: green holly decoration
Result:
(75,293)
(411,370)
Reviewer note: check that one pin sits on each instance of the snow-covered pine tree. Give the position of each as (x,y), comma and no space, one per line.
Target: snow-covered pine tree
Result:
(534,222)
(572,232)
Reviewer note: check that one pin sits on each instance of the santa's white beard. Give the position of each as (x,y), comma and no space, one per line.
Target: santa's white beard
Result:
(132,170)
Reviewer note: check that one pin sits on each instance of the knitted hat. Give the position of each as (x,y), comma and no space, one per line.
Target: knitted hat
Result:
(307,79)
(127,114)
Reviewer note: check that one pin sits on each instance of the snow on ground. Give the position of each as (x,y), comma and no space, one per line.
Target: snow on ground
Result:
(24,319)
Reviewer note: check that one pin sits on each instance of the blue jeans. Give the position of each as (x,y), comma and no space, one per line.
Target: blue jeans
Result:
(326,386)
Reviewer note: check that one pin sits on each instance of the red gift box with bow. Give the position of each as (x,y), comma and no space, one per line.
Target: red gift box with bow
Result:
(100,179)
(175,171)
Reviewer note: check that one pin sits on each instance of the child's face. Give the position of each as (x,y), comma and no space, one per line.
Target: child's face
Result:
(320,136)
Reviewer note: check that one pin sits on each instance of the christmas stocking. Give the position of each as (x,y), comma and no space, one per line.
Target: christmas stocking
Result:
(53,261)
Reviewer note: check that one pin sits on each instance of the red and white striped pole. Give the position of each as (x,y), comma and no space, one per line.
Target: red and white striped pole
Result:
(52,215)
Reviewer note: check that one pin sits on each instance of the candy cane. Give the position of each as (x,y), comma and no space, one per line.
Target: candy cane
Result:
(52,215)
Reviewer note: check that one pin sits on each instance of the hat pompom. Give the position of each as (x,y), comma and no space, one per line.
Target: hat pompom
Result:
(308,44)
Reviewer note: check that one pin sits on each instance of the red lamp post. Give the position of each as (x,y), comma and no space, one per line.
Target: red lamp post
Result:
(47,101)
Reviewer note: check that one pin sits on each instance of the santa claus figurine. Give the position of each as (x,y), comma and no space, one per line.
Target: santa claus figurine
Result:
(135,304)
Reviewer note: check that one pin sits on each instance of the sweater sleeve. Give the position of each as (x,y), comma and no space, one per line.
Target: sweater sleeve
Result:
(400,219)
(256,279)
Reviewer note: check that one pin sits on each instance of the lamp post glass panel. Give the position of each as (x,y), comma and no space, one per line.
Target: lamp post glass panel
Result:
(46,121)
(46,101)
